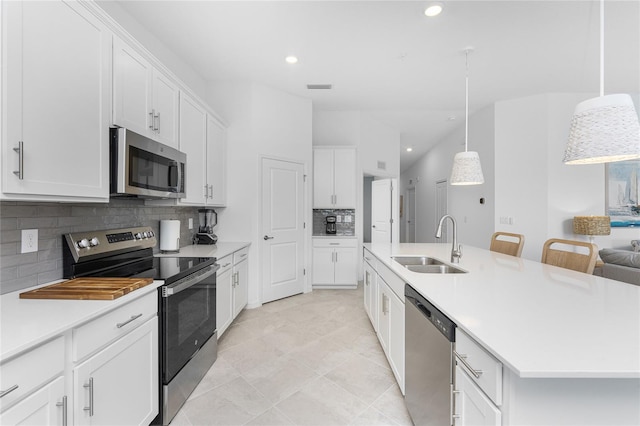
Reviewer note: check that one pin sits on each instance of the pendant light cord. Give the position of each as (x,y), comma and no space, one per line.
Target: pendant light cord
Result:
(601,47)
(466,102)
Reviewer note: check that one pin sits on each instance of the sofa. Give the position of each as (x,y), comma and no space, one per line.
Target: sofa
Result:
(620,265)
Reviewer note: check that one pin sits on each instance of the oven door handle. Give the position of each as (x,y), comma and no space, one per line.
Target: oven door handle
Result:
(189,281)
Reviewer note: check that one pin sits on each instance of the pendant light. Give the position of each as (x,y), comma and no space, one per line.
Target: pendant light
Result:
(466,165)
(606,128)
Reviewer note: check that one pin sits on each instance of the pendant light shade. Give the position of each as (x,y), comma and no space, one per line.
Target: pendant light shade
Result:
(603,130)
(466,165)
(606,128)
(466,169)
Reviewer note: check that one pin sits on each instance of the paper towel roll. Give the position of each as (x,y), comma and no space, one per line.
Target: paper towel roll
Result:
(170,236)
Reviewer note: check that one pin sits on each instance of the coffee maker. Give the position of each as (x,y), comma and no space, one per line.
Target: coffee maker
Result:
(331,225)
(208,220)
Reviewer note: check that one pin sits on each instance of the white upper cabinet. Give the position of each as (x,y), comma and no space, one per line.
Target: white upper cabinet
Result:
(144,99)
(56,103)
(334,178)
(216,163)
(203,139)
(193,139)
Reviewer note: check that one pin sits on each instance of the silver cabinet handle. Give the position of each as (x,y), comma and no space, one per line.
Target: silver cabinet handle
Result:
(63,404)
(266,237)
(152,115)
(336,257)
(133,318)
(8,391)
(20,151)
(463,360)
(90,407)
(211,191)
(226,264)
(206,191)
(367,278)
(157,129)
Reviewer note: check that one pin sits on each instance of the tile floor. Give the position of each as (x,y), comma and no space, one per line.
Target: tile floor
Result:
(311,359)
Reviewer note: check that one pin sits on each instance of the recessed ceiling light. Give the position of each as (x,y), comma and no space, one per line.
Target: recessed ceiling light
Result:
(291,59)
(409,149)
(433,9)
(451,118)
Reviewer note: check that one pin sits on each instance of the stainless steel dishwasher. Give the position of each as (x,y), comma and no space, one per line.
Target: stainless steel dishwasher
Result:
(429,367)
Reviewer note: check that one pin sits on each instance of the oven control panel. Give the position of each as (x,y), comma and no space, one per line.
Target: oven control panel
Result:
(91,243)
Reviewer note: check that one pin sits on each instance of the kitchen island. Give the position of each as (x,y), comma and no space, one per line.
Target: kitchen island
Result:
(569,342)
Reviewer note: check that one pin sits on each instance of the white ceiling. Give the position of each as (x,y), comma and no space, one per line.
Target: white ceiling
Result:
(405,69)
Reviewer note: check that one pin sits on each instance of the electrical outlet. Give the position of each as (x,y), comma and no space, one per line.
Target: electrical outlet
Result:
(29,240)
(338,218)
(347,218)
(190,223)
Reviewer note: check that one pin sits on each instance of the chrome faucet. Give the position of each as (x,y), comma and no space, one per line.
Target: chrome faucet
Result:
(456,250)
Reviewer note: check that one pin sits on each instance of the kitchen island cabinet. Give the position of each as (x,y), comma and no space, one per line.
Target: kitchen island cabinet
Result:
(558,346)
(56,74)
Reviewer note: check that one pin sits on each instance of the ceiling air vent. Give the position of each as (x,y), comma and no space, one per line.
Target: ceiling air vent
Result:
(382,165)
(319,86)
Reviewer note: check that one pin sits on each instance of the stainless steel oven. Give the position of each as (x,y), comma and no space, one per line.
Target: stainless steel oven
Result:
(186,302)
(142,167)
(188,338)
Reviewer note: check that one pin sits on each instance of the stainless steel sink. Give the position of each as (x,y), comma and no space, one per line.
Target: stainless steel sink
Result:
(427,265)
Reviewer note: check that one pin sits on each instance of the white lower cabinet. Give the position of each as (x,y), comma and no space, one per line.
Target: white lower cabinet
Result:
(391,329)
(334,262)
(232,288)
(119,384)
(48,406)
(371,294)
(472,406)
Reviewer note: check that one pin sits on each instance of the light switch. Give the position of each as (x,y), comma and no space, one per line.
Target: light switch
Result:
(347,218)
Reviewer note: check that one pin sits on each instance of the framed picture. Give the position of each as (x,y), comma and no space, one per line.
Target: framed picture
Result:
(622,193)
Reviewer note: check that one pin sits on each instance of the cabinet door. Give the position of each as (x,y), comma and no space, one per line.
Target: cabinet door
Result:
(119,385)
(132,76)
(41,408)
(396,337)
(241,289)
(323,178)
(345,265)
(371,294)
(216,163)
(471,404)
(323,265)
(384,321)
(193,137)
(345,178)
(57,82)
(224,297)
(165,95)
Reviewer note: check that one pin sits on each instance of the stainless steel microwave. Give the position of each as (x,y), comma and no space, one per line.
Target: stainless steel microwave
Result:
(141,167)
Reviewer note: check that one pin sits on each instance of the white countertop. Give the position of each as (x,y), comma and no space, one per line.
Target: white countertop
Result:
(29,322)
(218,250)
(539,320)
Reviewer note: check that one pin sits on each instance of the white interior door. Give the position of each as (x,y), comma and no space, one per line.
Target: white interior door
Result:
(441,210)
(381,212)
(282,228)
(411,215)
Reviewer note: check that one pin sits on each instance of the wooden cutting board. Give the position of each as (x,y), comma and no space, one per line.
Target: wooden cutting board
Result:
(88,288)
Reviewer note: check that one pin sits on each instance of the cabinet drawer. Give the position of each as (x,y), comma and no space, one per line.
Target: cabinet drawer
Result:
(240,255)
(394,282)
(335,242)
(225,263)
(31,370)
(91,336)
(490,380)
(370,259)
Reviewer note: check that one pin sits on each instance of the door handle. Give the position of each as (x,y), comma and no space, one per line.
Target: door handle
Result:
(266,237)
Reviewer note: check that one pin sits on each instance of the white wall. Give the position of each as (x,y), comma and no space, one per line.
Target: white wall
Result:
(534,186)
(475,220)
(262,122)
